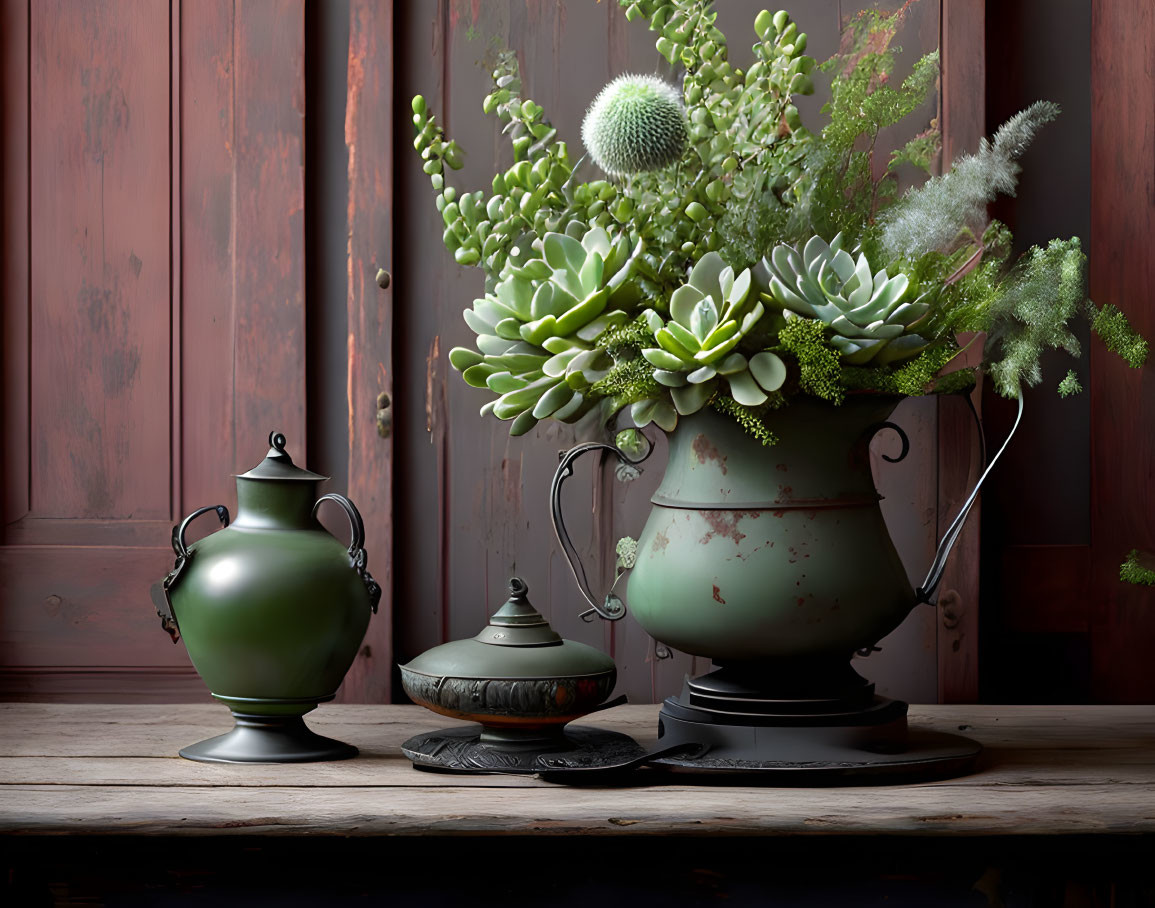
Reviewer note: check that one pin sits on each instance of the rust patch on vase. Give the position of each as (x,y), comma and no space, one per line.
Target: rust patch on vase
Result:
(725,524)
(718,595)
(704,450)
(661,540)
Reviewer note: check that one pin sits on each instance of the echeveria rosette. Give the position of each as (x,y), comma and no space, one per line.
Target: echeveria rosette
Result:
(536,330)
(867,310)
(709,316)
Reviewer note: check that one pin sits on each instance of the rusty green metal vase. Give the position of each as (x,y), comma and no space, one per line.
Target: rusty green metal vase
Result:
(755,553)
(775,563)
(272,609)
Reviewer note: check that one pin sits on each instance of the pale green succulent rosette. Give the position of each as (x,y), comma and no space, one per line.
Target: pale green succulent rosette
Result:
(709,316)
(536,329)
(871,320)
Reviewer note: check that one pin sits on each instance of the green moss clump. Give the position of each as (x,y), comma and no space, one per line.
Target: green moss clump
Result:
(819,365)
(749,418)
(960,381)
(631,378)
(915,378)
(1116,332)
(1070,386)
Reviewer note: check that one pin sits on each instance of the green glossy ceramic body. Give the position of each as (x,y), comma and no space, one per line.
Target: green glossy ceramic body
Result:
(755,553)
(271,609)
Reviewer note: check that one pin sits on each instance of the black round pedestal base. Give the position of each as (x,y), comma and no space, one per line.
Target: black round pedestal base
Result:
(873,744)
(268,739)
(462,750)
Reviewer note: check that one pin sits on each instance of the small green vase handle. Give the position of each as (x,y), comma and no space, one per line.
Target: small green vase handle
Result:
(178,543)
(161,590)
(612,608)
(358,558)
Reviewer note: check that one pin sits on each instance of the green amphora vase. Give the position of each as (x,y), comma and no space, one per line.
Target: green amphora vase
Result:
(272,609)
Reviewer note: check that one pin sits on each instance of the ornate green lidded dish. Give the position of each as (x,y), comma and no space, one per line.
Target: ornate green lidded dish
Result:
(523,683)
(272,609)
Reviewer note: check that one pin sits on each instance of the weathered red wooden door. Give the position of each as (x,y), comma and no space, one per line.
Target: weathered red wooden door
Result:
(154,315)
(1118,618)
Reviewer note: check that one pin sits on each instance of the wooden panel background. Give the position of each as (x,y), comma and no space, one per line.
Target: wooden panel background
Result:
(368,130)
(959,455)
(153,318)
(1072,496)
(210,214)
(1122,621)
(473,501)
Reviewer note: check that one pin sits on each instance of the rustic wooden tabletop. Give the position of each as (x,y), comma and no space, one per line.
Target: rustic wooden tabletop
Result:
(96,770)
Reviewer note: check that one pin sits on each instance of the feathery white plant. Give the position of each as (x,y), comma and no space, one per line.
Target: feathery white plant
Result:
(933,216)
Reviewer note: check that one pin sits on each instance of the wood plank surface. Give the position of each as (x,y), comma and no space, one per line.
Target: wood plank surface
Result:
(1050,771)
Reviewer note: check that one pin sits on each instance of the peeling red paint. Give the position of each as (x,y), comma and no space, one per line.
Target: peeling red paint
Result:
(785,492)
(783,467)
(718,595)
(705,450)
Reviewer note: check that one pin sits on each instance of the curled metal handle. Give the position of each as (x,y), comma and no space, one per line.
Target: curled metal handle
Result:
(611,608)
(925,593)
(357,525)
(878,427)
(358,557)
(162,590)
(178,544)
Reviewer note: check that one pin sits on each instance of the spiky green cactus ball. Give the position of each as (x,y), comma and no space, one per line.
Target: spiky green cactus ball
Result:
(635,124)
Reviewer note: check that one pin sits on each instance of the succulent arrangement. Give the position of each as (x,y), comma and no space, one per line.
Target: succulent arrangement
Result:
(727,256)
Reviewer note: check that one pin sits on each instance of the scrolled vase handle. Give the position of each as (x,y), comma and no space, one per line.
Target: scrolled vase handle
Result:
(161,592)
(612,608)
(358,558)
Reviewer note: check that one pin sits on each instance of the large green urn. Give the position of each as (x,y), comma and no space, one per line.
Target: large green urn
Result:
(775,563)
(754,553)
(272,609)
